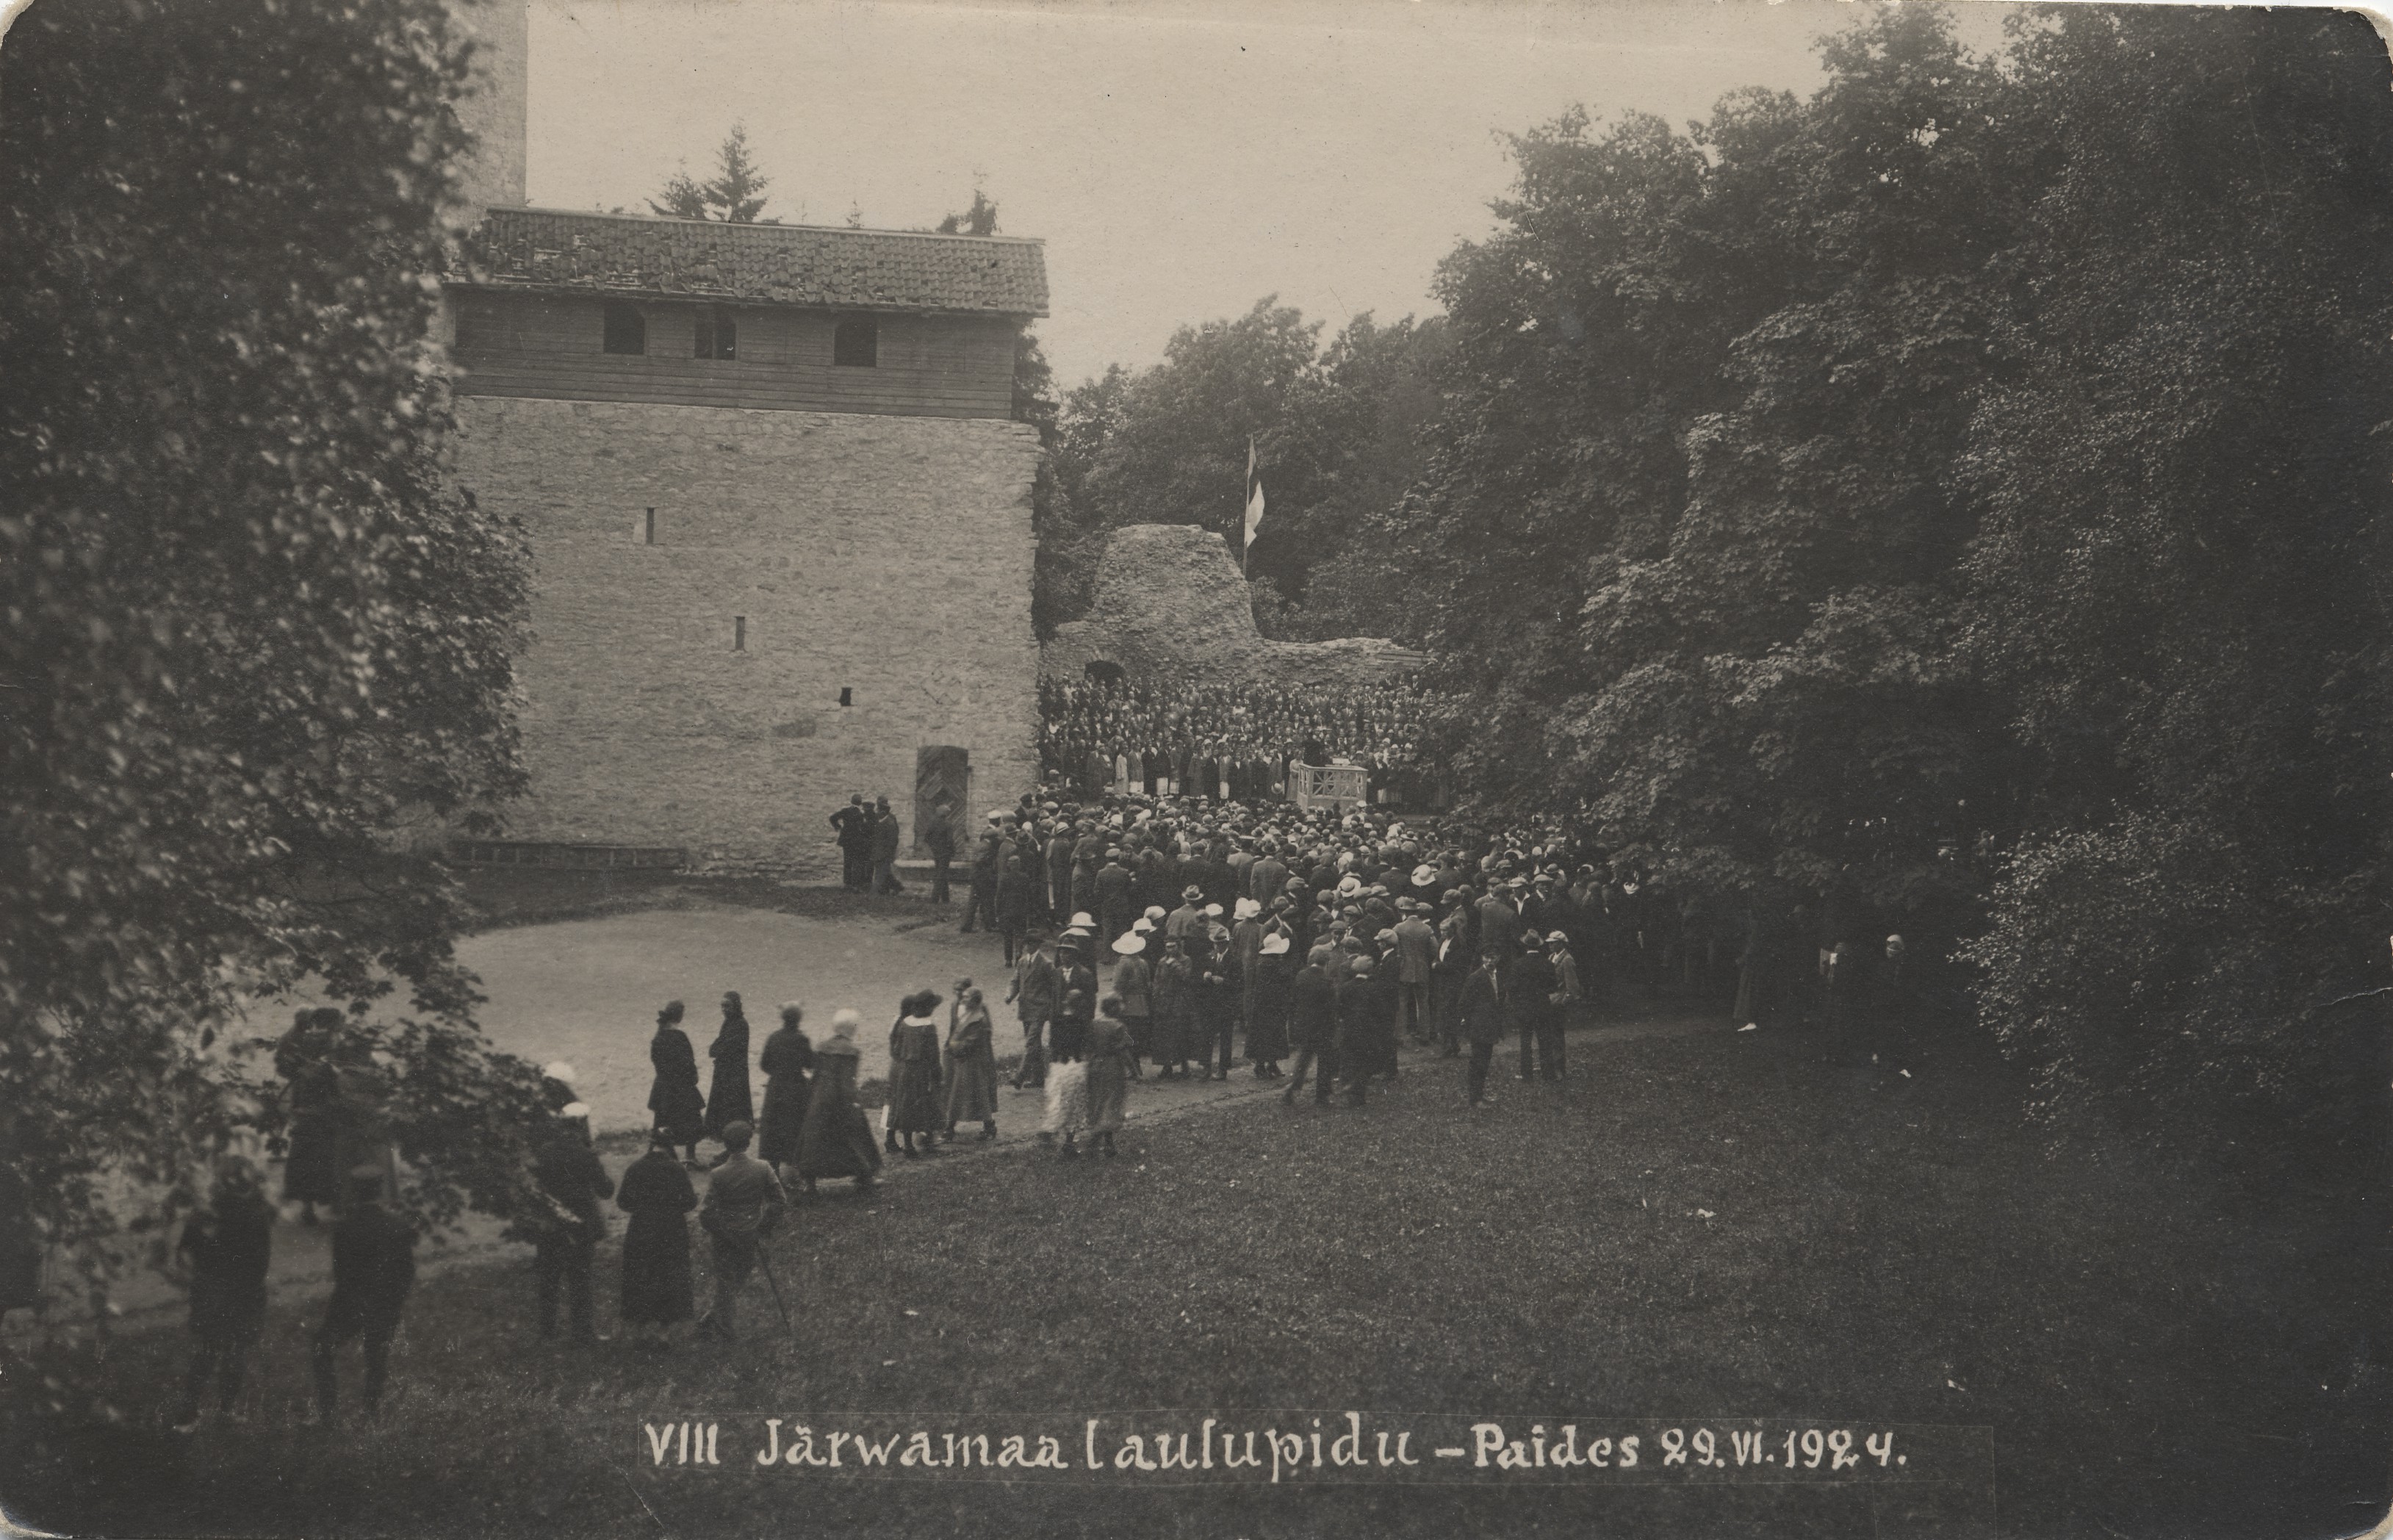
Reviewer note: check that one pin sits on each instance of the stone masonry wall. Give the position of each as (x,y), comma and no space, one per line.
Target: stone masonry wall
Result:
(886,556)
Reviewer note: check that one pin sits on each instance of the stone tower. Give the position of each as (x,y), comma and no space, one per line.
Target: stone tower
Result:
(497,112)
(779,509)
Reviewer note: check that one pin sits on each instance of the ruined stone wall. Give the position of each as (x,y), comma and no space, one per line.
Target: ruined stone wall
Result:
(1169,600)
(686,692)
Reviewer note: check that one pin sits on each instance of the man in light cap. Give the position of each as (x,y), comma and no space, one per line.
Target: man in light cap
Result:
(566,1239)
(743,1203)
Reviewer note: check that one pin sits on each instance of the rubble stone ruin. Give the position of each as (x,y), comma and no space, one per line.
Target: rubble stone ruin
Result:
(1169,601)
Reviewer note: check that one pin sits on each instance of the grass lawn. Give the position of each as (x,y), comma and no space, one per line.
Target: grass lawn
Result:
(2151,1358)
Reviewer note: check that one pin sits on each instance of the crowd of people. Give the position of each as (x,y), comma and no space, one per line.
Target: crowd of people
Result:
(1229,740)
(868,837)
(1181,938)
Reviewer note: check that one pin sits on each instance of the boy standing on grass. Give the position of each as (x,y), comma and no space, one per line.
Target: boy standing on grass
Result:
(373,1268)
(743,1203)
(226,1247)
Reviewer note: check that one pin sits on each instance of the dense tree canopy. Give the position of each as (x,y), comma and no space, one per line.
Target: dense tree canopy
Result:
(253,641)
(1967,486)
(1954,502)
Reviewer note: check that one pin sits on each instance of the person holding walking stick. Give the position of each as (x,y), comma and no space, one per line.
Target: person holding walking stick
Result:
(743,1203)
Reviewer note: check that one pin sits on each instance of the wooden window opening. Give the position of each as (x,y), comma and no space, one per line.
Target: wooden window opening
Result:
(627,330)
(857,344)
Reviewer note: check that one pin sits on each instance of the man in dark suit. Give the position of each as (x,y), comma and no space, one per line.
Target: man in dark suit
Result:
(1499,921)
(1366,1027)
(1268,877)
(1313,1027)
(855,825)
(1114,911)
(940,841)
(987,860)
(1035,991)
(1416,962)
(1480,1013)
(1529,986)
(885,848)
(373,1268)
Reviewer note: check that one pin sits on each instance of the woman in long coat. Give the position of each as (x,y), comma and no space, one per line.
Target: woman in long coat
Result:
(657,1194)
(1267,1015)
(674,1096)
(914,1106)
(787,1059)
(729,1100)
(837,1142)
(971,1064)
(1111,1058)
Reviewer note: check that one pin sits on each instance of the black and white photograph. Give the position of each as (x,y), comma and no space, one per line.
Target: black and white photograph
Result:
(1214,769)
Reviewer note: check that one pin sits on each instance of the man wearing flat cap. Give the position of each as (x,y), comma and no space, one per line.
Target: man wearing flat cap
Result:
(743,1202)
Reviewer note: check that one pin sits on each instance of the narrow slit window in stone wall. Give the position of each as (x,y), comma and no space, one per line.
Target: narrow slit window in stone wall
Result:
(740,634)
(717,335)
(626,331)
(857,344)
(847,695)
(649,528)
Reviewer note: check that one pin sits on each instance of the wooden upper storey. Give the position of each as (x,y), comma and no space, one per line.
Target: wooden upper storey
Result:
(612,308)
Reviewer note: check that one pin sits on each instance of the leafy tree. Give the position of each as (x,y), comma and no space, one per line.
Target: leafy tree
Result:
(1335,428)
(256,647)
(735,194)
(2181,575)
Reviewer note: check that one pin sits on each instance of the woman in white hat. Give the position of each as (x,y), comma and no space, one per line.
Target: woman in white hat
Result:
(1133,981)
(1267,1005)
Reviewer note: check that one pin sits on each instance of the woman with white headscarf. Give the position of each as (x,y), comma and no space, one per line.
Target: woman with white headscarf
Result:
(836,1141)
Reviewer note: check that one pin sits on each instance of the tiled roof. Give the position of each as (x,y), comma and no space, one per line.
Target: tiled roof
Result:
(758,263)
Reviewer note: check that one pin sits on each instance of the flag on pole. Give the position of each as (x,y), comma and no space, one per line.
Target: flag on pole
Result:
(1254,499)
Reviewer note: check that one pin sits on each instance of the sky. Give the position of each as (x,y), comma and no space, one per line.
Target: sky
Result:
(1179,159)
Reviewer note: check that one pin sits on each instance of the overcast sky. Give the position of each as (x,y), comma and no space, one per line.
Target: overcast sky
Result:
(1179,159)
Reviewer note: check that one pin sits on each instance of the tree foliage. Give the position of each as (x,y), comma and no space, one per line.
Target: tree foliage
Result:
(1962,489)
(1334,430)
(255,642)
(2183,573)
(735,194)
